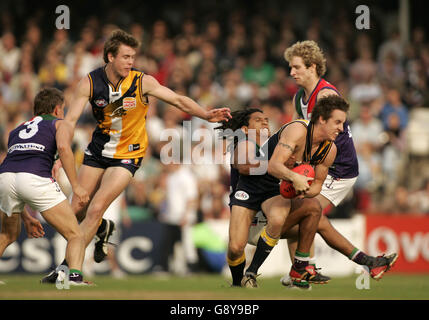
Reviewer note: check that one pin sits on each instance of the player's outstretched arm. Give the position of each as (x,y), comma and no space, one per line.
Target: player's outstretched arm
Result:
(80,98)
(152,87)
(64,137)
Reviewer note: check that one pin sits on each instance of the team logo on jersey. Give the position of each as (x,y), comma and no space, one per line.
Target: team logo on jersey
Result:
(241,195)
(100,103)
(129,103)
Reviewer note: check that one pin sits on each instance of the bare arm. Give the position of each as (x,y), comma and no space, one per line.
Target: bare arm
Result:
(292,137)
(64,137)
(245,157)
(321,171)
(80,98)
(152,87)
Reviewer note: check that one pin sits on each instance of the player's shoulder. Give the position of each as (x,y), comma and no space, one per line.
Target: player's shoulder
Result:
(296,127)
(297,124)
(326,89)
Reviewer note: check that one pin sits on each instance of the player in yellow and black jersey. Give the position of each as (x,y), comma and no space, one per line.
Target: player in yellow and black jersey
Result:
(118,96)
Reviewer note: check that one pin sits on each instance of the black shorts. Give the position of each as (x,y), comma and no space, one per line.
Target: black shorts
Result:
(102,162)
(243,197)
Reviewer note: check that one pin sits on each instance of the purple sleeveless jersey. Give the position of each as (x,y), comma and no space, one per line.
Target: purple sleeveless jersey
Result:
(345,164)
(32,147)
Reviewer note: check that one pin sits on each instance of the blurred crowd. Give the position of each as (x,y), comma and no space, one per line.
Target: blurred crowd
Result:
(235,61)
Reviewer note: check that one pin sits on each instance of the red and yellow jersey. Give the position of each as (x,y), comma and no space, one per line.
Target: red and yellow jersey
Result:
(120,112)
(303,108)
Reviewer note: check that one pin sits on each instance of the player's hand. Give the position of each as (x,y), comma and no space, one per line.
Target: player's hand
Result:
(81,195)
(56,169)
(300,183)
(219,114)
(34,228)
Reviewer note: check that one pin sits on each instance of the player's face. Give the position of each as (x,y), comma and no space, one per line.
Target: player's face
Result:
(299,71)
(334,125)
(258,121)
(124,60)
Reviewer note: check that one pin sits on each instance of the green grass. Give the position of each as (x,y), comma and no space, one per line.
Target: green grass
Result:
(205,287)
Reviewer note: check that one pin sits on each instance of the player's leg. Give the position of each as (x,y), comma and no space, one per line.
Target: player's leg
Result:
(62,218)
(10,229)
(239,224)
(11,206)
(113,183)
(276,210)
(376,265)
(89,177)
(306,213)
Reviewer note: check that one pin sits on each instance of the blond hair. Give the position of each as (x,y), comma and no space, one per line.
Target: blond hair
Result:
(310,53)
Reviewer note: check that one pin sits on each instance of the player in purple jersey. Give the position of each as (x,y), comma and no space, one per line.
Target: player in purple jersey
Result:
(25,178)
(308,65)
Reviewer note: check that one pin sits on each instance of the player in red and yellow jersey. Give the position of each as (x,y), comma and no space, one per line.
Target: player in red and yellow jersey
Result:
(118,95)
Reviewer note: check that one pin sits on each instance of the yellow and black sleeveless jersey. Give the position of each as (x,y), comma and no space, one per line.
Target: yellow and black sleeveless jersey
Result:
(120,112)
(321,152)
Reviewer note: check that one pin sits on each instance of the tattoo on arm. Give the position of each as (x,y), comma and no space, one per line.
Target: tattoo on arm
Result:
(286,146)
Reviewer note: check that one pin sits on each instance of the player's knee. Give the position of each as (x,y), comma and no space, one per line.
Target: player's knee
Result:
(235,249)
(314,208)
(75,234)
(95,212)
(276,222)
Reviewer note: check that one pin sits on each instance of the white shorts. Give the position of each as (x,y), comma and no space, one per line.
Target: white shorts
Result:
(18,189)
(258,224)
(335,190)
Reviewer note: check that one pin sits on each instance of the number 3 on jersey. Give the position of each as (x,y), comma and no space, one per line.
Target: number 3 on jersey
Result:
(32,125)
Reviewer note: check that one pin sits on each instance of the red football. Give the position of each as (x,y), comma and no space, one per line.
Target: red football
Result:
(286,187)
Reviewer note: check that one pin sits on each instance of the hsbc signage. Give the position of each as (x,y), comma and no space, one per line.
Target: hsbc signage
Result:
(136,253)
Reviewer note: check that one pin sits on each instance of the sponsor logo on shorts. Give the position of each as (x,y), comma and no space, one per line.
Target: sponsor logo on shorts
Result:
(126,161)
(241,195)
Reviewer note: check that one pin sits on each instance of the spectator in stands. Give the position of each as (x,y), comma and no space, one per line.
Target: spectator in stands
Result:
(394,105)
(10,55)
(179,215)
(419,200)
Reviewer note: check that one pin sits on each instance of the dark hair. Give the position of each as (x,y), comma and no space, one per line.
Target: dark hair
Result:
(117,38)
(239,119)
(46,100)
(231,128)
(326,105)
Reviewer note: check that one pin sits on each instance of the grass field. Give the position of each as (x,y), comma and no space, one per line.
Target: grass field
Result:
(210,287)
